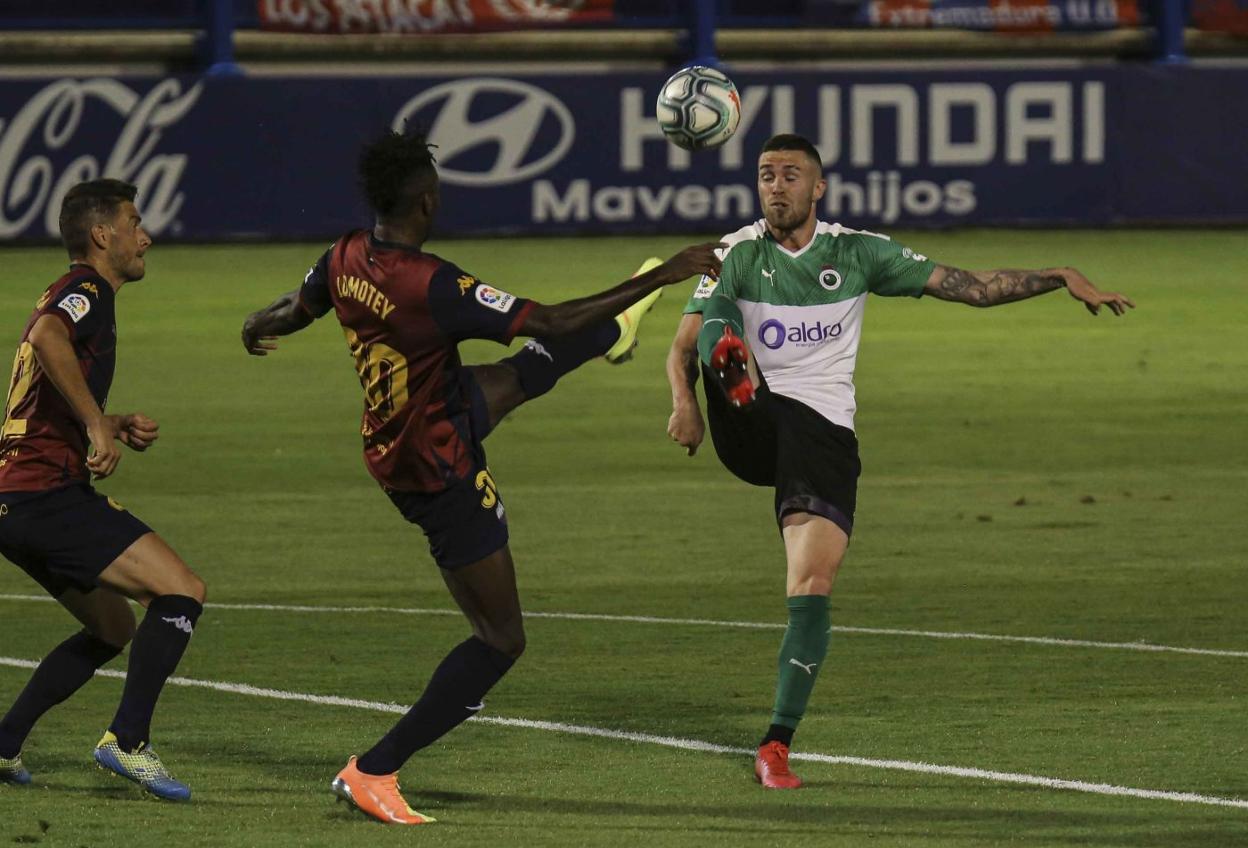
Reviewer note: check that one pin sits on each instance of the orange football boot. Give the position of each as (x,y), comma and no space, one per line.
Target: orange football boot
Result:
(771,767)
(375,795)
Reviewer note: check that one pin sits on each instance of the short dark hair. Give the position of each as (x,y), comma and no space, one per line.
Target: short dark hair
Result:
(792,141)
(395,170)
(88,204)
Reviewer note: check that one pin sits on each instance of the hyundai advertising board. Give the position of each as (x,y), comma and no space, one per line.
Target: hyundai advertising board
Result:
(558,153)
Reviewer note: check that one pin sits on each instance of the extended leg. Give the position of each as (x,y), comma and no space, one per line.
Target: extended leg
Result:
(534,371)
(542,362)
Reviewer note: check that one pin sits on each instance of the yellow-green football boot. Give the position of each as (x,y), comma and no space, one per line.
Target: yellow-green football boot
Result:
(12,771)
(141,766)
(630,319)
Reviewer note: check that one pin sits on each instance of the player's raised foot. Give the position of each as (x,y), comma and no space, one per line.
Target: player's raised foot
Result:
(12,771)
(141,766)
(771,767)
(729,362)
(630,319)
(377,796)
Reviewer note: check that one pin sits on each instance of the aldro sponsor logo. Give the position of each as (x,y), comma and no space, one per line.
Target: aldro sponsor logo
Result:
(774,334)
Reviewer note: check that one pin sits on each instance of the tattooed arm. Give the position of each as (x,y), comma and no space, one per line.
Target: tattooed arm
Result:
(989,288)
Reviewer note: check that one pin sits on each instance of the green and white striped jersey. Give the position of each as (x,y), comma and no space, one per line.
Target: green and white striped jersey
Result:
(803,309)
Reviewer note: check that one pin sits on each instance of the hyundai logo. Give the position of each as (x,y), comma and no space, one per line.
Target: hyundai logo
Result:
(491,131)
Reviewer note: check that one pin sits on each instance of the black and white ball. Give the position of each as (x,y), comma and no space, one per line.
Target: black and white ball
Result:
(698,108)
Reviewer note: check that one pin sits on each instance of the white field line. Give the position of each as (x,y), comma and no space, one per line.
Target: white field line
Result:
(700,746)
(1146,647)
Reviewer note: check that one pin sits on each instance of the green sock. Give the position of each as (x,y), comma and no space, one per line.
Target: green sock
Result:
(801,654)
(719,311)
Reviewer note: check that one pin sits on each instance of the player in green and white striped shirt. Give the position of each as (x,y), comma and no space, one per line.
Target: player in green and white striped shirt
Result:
(792,296)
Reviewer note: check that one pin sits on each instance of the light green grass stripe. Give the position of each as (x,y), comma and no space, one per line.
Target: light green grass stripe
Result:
(700,746)
(1147,647)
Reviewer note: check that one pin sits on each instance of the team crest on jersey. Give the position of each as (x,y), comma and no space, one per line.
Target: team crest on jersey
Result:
(830,278)
(76,305)
(91,288)
(706,287)
(465,282)
(495,299)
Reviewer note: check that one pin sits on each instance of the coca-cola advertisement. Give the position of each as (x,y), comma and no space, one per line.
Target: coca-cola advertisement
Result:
(421,16)
(73,130)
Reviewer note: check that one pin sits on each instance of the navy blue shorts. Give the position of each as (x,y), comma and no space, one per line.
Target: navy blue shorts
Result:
(65,537)
(464,523)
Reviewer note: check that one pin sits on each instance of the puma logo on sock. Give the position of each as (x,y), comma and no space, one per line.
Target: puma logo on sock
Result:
(809,669)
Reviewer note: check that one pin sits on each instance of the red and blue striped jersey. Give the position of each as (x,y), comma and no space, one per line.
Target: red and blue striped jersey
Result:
(403,312)
(43,445)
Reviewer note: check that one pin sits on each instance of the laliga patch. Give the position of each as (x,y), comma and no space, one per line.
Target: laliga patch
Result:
(77,305)
(495,299)
(706,287)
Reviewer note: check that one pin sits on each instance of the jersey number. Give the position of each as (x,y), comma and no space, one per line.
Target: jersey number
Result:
(383,374)
(19,385)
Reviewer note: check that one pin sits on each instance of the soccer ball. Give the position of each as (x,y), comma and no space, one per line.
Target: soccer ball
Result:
(698,108)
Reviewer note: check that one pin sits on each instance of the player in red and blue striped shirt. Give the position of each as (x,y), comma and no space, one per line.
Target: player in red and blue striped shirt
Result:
(403,312)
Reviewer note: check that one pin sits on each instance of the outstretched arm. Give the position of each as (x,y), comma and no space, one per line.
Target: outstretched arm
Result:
(990,288)
(282,317)
(685,426)
(573,315)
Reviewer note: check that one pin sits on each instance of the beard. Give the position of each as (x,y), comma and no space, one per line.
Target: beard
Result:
(787,218)
(135,270)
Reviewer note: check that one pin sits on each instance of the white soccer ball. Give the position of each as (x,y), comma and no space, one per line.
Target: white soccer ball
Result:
(698,108)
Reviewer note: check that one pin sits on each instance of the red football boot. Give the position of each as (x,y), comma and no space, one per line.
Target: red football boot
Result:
(771,767)
(728,361)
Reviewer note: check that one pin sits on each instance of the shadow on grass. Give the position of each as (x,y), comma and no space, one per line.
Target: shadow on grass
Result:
(942,823)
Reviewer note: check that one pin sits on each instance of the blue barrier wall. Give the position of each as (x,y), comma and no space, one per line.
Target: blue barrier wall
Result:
(228,157)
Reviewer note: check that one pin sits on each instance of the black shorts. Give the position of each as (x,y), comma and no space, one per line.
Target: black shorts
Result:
(464,523)
(65,537)
(780,442)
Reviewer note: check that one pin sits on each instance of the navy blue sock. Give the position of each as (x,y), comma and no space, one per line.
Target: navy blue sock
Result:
(158,646)
(455,693)
(543,361)
(62,673)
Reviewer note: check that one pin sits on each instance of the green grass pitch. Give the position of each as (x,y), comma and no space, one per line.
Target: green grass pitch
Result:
(1029,471)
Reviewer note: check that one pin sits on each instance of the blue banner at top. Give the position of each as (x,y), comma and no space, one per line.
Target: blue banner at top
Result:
(557,153)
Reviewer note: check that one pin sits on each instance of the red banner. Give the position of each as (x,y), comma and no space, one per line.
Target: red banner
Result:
(1221,15)
(419,16)
(998,15)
